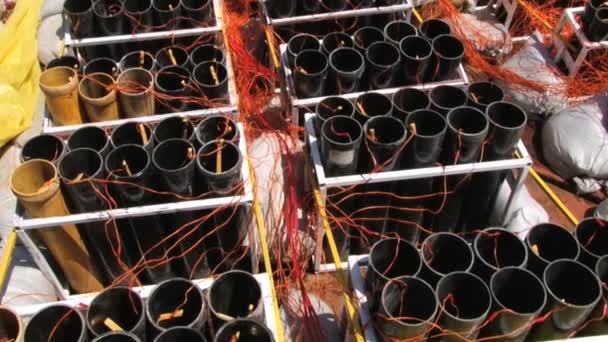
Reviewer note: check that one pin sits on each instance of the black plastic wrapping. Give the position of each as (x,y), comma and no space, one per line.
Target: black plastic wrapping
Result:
(81,18)
(215,127)
(129,133)
(465,302)
(91,137)
(110,17)
(101,65)
(200,12)
(341,138)
(445,98)
(346,67)
(300,42)
(432,28)
(598,28)
(167,14)
(117,336)
(45,322)
(309,74)
(573,291)
(134,60)
(443,253)
(44,146)
(396,30)
(163,57)
(383,62)
(175,127)
(235,294)
(370,105)
(174,82)
(481,94)
(407,297)
(330,107)
(408,100)
(123,306)
(336,40)
(206,53)
(140,15)
(518,297)
(592,236)
(449,53)
(417,55)
(180,334)
(547,242)
(496,248)
(215,90)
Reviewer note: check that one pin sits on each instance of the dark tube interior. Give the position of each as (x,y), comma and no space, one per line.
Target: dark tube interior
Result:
(165,5)
(66,61)
(174,128)
(592,234)
(129,134)
(448,46)
(195,4)
(77,6)
(100,65)
(374,104)
(122,305)
(518,290)
(137,6)
(136,157)
(500,248)
(301,42)
(9,325)
(208,156)
(415,47)
(169,296)
(233,293)
(117,337)
(80,161)
(469,295)
(397,30)
(392,258)
(91,137)
(506,115)
(409,297)
(108,8)
(428,123)
(446,253)
(433,28)
(206,53)
(447,97)
(552,242)
(335,105)
(312,61)
(342,130)
(485,93)
(346,60)
(204,76)
(365,36)
(602,14)
(172,154)
(132,60)
(163,58)
(170,78)
(47,147)
(388,129)
(410,99)
(383,54)
(97,85)
(180,334)
(42,324)
(249,331)
(217,127)
(468,120)
(571,282)
(337,40)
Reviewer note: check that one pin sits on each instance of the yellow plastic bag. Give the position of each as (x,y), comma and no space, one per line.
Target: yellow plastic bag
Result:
(19,69)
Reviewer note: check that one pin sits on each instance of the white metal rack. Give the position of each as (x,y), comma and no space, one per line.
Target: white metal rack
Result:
(563,54)
(326,183)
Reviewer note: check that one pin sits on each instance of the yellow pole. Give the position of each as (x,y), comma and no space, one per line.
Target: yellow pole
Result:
(7,256)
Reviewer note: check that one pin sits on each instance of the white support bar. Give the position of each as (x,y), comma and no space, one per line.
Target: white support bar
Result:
(340,14)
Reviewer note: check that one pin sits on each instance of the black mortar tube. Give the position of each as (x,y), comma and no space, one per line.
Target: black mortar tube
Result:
(496,248)
(282,8)
(81,17)
(481,94)
(163,57)
(140,16)
(91,137)
(11,325)
(225,181)
(370,105)
(366,36)
(175,127)
(388,259)
(591,8)
(173,81)
(44,146)
(336,40)
(330,107)
(443,253)
(213,89)
(408,100)
(573,292)
(346,67)
(423,150)
(396,30)
(248,330)
(134,60)
(167,14)
(65,323)
(129,133)
(145,231)
(123,306)
(66,61)
(467,130)
(592,236)
(341,138)
(598,29)
(235,294)
(299,43)
(383,62)
(117,336)
(385,137)
(445,98)
(464,301)
(408,309)
(180,334)
(598,324)
(101,65)
(310,72)
(449,53)
(432,28)
(417,55)
(215,127)
(206,53)
(171,295)
(110,17)
(308,6)
(547,242)
(518,297)
(199,12)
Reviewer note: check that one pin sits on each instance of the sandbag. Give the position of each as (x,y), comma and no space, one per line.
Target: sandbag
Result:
(524,213)
(491,39)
